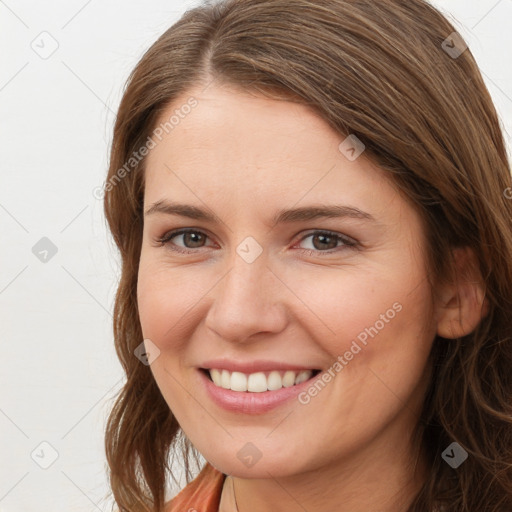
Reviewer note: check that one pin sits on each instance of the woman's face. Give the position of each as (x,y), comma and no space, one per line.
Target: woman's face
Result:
(269,285)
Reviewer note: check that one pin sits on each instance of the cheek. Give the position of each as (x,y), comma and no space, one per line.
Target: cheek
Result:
(160,301)
(169,301)
(376,319)
(379,350)
(163,298)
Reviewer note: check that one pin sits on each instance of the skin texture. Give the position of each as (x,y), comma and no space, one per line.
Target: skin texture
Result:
(244,157)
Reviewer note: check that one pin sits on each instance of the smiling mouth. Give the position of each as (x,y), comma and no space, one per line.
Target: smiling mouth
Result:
(258,382)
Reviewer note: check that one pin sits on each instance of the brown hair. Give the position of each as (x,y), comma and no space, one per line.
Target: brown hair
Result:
(378,70)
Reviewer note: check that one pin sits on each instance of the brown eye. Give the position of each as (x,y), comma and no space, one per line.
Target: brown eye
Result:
(192,239)
(326,242)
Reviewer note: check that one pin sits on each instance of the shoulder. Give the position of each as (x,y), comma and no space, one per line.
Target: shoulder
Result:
(201,495)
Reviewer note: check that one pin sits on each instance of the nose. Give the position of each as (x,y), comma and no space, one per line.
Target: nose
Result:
(248,300)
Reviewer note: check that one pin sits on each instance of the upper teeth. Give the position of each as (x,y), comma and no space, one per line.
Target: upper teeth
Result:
(258,382)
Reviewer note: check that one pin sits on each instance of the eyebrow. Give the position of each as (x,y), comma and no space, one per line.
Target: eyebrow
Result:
(282,216)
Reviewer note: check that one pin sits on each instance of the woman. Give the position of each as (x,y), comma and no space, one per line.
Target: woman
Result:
(310,199)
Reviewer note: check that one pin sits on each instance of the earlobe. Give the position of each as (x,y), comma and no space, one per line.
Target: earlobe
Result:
(463,303)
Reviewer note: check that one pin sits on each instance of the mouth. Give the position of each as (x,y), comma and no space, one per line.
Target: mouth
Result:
(258,382)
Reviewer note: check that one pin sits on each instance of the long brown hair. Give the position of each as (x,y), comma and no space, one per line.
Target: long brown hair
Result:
(381,70)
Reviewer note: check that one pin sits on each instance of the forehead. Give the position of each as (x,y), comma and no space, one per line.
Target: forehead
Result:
(234,142)
(246,125)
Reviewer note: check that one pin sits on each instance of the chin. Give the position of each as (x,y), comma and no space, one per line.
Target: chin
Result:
(251,462)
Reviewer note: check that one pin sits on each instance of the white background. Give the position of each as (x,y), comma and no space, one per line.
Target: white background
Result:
(58,369)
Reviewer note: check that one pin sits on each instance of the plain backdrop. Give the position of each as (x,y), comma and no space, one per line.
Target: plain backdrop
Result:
(62,71)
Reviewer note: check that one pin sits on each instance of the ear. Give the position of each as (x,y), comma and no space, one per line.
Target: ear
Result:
(462,303)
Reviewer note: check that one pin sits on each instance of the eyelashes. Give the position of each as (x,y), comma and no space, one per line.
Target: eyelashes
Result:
(347,242)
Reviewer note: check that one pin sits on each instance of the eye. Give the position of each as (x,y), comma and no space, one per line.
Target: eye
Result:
(328,240)
(195,239)
(190,236)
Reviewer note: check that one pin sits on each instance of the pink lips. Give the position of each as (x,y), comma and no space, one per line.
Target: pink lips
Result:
(246,402)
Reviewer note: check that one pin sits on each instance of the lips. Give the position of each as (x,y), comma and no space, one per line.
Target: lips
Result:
(254,387)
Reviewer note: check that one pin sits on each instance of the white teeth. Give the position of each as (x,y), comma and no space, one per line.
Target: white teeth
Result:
(274,381)
(225,379)
(258,382)
(289,379)
(303,376)
(216,376)
(238,381)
